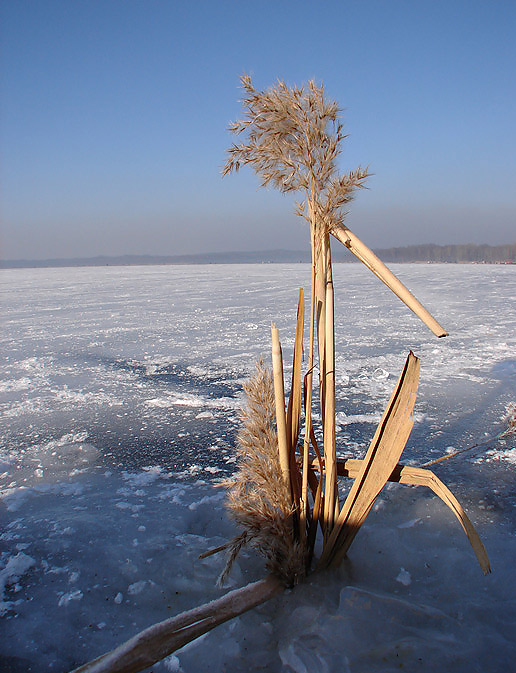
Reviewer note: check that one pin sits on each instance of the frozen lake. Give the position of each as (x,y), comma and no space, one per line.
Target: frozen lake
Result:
(119,397)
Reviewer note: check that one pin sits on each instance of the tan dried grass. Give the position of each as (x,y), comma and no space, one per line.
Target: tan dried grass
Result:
(292,137)
(259,499)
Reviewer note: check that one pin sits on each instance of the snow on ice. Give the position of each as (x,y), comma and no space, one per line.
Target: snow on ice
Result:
(119,397)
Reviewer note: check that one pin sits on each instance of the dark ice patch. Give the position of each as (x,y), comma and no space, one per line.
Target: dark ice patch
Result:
(504,370)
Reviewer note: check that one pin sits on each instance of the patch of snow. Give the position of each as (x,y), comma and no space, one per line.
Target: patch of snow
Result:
(409,524)
(172,664)
(70,596)
(206,500)
(13,385)
(404,577)
(342,418)
(137,587)
(11,573)
(148,476)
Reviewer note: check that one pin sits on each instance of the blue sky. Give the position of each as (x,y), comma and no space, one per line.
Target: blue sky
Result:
(114,113)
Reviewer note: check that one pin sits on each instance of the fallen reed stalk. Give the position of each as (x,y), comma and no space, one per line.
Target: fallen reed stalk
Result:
(160,640)
(510,429)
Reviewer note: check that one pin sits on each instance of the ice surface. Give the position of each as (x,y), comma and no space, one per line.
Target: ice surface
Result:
(119,397)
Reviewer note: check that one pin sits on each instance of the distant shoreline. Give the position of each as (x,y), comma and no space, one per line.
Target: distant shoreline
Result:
(424,254)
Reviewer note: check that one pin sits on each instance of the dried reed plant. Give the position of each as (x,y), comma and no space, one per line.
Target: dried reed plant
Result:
(292,138)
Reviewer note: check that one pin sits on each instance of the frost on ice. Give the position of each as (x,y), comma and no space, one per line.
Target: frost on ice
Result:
(113,499)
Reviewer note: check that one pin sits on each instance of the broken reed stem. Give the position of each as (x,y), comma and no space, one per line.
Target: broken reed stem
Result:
(490,440)
(374,264)
(279,399)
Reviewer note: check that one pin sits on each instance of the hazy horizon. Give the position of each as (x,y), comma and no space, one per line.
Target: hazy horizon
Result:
(278,255)
(114,120)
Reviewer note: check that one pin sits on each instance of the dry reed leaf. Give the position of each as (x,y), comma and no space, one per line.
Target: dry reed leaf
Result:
(294,402)
(417,476)
(294,423)
(380,460)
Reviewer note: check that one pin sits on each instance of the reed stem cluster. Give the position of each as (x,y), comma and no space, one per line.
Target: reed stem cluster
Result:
(292,137)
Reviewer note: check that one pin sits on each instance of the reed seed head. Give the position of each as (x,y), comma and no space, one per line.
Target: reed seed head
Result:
(258,499)
(292,138)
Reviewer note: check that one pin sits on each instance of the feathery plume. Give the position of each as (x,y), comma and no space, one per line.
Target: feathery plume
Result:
(259,500)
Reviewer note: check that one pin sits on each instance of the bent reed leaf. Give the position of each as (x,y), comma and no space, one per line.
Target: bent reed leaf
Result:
(381,458)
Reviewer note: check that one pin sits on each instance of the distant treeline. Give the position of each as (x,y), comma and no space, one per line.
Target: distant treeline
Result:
(490,254)
(413,253)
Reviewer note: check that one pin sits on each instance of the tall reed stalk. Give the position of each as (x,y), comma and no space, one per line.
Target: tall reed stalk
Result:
(292,139)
